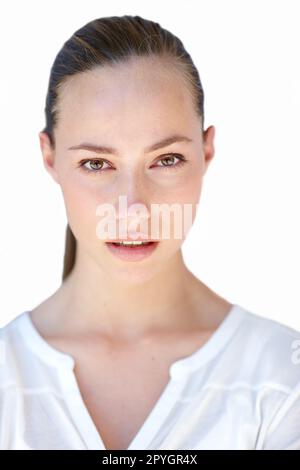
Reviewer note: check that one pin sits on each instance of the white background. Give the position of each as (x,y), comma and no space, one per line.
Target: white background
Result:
(245,241)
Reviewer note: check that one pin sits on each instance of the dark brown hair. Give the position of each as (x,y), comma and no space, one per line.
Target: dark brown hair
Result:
(112,40)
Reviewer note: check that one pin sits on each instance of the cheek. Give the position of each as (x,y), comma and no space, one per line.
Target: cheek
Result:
(80,203)
(187,189)
(185,199)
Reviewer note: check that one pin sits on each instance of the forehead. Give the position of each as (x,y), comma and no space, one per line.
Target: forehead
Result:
(140,95)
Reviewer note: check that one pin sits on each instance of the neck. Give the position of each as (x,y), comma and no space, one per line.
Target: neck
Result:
(92,299)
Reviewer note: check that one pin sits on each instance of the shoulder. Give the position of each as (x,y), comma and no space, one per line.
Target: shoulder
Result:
(269,351)
(263,365)
(275,354)
(13,351)
(9,331)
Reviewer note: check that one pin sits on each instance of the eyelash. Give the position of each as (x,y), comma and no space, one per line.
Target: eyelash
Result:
(181,162)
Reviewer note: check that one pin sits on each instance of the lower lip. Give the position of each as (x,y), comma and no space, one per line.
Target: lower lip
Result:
(135,253)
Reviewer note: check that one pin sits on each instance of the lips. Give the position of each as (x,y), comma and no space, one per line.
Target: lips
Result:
(131,244)
(132,240)
(133,252)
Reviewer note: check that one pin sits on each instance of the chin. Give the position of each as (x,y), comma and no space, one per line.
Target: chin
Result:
(139,272)
(133,274)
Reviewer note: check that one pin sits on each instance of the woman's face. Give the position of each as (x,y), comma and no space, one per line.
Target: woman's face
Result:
(128,107)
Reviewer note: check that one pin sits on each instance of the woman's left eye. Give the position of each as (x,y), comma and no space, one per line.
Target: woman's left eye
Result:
(169,158)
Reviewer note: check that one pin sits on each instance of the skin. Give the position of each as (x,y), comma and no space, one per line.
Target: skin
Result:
(128,107)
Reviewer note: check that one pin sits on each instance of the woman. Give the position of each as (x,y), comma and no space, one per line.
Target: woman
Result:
(133,351)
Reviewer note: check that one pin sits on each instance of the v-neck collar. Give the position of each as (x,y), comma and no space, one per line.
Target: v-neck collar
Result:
(178,373)
(146,432)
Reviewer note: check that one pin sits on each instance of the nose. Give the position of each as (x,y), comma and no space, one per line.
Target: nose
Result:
(132,197)
(132,186)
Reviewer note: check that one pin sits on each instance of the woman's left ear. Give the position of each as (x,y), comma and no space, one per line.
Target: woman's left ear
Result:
(208,146)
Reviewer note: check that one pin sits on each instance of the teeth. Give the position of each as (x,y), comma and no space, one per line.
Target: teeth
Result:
(133,243)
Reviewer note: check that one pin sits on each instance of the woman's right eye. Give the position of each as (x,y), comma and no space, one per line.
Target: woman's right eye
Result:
(96,165)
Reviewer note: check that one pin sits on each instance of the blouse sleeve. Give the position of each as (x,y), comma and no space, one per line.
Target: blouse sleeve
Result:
(283,431)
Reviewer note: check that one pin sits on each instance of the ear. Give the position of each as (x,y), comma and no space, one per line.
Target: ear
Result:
(48,153)
(208,146)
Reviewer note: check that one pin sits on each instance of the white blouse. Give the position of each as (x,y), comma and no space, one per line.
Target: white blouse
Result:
(240,390)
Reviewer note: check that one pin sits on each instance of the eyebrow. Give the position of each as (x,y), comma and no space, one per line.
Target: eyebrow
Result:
(162,143)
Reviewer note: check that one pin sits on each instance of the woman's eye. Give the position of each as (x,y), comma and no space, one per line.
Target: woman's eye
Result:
(169,161)
(95,166)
